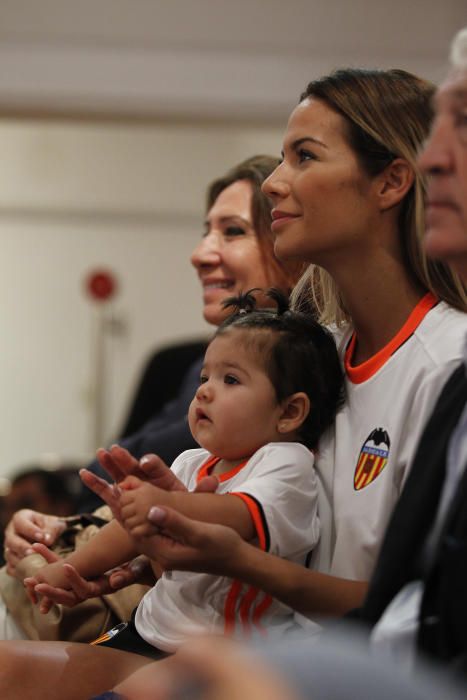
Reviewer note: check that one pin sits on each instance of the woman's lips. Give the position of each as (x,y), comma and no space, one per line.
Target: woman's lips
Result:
(281,218)
(215,289)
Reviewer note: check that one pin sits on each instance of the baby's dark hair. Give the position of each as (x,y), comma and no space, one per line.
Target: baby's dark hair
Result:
(298,355)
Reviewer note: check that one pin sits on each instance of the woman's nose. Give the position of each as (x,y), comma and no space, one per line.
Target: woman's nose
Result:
(276,185)
(207,252)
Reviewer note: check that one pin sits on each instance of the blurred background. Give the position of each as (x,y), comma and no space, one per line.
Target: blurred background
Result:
(114,117)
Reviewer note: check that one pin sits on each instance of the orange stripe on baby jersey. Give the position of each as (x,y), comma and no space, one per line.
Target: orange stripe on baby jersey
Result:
(258,518)
(230,607)
(245,607)
(367,369)
(259,612)
(211,462)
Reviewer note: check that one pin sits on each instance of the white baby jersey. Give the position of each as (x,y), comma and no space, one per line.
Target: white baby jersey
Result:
(279,486)
(364,459)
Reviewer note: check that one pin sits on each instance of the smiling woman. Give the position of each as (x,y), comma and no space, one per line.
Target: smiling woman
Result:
(236,251)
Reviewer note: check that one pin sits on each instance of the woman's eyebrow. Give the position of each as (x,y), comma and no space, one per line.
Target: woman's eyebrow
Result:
(305,139)
(232,217)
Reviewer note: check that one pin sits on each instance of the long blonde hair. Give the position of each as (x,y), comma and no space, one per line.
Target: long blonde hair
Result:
(387,116)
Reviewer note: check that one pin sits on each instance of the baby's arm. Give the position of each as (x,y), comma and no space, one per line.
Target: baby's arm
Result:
(110,547)
(138,497)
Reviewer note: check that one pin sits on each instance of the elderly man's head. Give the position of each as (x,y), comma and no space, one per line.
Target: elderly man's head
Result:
(444,159)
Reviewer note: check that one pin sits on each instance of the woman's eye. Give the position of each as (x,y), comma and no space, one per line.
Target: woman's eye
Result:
(304,155)
(230,379)
(234,231)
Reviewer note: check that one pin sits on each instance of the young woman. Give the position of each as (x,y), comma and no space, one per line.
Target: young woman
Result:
(347,197)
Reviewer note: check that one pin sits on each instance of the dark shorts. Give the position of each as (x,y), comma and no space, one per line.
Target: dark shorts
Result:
(126,638)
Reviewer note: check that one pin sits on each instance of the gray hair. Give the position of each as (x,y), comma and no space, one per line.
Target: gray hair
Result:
(458,55)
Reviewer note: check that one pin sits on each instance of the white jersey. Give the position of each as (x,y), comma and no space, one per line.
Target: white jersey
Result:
(278,484)
(364,459)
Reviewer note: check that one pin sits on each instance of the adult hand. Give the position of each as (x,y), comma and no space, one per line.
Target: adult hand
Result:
(119,463)
(191,545)
(26,527)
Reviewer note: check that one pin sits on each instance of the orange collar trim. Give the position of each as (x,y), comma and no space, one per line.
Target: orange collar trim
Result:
(367,369)
(211,462)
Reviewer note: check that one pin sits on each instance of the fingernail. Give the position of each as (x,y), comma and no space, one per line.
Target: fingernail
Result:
(38,536)
(117,580)
(156,514)
(29,551)
(47,537)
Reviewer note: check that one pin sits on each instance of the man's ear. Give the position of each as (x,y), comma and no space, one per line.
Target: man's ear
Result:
(295,409)
(394,182)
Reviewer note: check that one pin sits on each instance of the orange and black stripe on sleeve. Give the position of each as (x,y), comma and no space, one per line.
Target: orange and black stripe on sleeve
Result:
(259,519)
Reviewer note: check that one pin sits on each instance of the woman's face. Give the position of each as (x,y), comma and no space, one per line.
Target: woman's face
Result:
(228,258)
(322,199)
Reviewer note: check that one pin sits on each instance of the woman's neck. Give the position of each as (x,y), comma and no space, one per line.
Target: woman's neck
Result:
(379,298)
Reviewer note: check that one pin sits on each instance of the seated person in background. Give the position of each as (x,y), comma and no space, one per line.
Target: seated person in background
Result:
(54,491)
(271,383)
(160,382)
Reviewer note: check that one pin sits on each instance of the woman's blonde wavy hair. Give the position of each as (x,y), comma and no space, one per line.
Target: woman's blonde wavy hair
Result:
(387,115)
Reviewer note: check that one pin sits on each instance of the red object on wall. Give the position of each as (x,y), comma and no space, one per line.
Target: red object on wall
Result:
(101,285)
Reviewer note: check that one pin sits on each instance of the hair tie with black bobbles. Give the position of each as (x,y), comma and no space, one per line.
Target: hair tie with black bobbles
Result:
(244,303)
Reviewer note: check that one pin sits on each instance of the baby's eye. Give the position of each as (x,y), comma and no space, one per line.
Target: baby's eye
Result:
(203,379)
(230,379)
(234,231)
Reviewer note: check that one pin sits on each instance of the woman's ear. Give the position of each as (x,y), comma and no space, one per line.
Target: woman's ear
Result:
(295,409)
(394,182)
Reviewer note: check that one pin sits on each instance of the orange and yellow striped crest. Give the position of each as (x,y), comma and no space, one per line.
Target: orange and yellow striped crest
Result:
(372,459)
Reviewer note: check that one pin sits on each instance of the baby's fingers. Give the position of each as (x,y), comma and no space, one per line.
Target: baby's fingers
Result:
(30,584)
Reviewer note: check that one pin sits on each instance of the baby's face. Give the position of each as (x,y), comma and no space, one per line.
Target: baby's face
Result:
(235,410)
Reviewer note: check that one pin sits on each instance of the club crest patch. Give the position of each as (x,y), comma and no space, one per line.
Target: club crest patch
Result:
(372,459)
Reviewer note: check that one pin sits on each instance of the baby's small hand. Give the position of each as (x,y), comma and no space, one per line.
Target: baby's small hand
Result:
(136,499)
(51,574)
